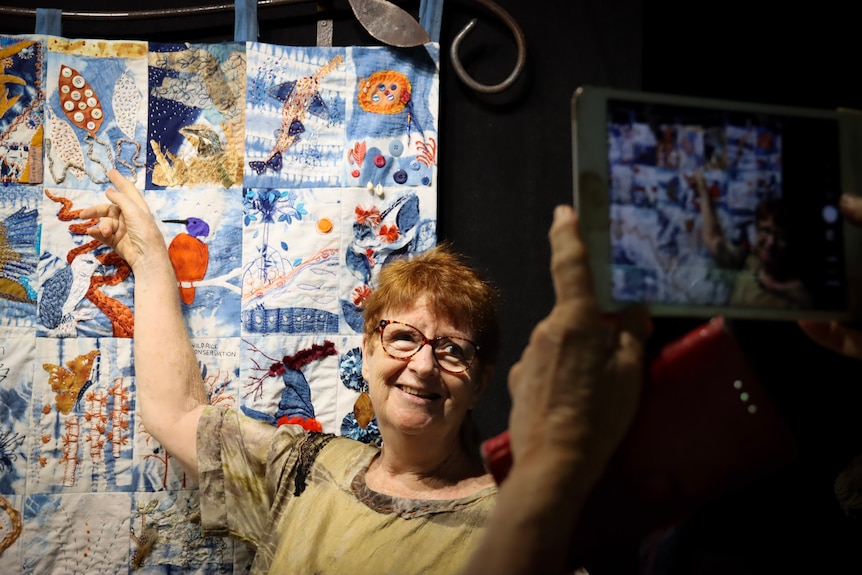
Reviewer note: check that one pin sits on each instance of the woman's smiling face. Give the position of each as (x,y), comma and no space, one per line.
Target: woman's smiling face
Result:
(415,396)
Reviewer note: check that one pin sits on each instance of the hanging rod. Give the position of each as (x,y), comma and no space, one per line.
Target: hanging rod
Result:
(146,14)
(216,8)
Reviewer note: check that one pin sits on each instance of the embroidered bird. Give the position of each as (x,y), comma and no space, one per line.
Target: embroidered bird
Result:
(205,140)
(301,98)
(189,255)
(295,406)
(62,292)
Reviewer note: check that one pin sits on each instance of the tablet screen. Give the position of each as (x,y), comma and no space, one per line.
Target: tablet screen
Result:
(724,208)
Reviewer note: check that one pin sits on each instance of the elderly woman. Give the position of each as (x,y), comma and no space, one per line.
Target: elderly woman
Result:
(311,502)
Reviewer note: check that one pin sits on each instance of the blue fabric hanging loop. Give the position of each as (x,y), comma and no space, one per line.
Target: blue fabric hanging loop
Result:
(245,27)
(431,17)
(49,21)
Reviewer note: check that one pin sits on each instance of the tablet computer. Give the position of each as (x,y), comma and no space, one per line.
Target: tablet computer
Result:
(699,207)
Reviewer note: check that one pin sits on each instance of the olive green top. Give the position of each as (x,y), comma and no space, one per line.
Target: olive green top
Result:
(301,500)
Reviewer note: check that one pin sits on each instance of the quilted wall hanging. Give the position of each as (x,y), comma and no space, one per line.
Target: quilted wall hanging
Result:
(282,178)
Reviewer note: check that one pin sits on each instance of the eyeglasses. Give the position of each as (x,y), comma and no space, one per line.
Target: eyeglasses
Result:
(402,341)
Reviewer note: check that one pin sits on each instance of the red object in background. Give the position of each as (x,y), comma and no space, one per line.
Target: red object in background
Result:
(705,426)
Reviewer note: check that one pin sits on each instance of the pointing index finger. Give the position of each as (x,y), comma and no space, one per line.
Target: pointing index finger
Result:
(126,189)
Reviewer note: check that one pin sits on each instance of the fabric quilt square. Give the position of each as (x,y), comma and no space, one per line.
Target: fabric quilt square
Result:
(21,108)
(19,237)
(96,118)
(85,288)
(82,406)
(219,360)
(391,131)
(351,385)
(290,261)
(294,116)
(739,197)
(741,144)
(375,230)
(163,540)
(204,237)
(155,469)
(17,364)
(290,379)
(76,533)
(196,128)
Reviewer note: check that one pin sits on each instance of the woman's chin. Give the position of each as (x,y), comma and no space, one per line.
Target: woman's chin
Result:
(412,421)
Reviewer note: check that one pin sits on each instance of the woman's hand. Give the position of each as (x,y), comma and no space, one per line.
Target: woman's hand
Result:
(574,393)
(831,334)
(576,387)
(698,182)
(126,224)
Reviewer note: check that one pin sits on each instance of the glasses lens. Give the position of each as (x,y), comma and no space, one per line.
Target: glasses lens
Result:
(454,354)
(401,340)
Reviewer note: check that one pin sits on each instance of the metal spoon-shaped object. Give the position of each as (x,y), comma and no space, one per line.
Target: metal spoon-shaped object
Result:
(389,23)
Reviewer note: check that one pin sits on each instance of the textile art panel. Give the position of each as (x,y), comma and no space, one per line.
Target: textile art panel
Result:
(283,179)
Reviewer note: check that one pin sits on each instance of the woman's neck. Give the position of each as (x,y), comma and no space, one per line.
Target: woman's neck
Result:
(412,471)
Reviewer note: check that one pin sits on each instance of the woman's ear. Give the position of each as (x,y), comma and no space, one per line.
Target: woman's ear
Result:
(365,354)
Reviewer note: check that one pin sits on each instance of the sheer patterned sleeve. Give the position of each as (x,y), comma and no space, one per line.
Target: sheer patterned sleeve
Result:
(236,468)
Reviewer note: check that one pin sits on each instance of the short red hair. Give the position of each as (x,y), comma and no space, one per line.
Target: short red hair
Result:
(452,288)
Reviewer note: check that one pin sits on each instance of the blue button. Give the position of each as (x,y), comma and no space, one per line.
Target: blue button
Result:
(396,148)
(414,165)
(400,177)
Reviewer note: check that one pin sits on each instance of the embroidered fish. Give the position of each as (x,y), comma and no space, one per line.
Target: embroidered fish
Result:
(79,101)
(301,98)
(62,140)
(125,102)
(273,163)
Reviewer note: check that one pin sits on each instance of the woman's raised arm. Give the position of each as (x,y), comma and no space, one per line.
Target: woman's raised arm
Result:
(168,380)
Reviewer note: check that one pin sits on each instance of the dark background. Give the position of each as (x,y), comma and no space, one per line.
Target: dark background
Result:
(506,162)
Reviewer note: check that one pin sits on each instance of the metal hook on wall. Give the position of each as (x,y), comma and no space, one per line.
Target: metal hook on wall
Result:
(383,18)
(519,63)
